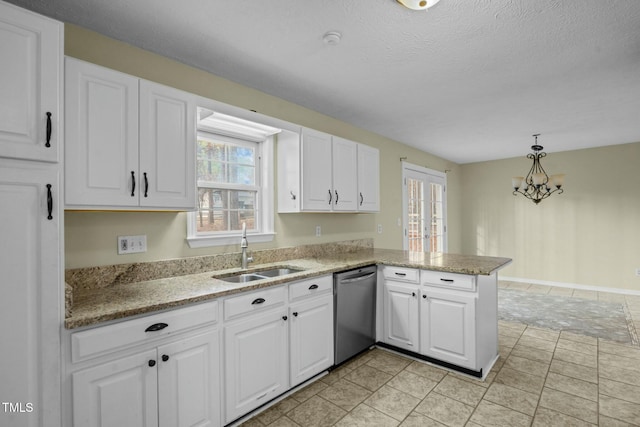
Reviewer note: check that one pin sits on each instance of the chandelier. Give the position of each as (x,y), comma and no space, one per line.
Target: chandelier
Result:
(537,185)
(418,4)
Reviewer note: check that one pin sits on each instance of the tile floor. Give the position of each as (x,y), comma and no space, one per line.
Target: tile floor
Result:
(544,377)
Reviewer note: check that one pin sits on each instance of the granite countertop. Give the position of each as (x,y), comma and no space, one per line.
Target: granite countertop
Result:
(95,305)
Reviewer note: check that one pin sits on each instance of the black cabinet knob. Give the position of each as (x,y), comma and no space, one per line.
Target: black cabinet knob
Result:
(284,318)
(295,313)
(152,363)
(165,357)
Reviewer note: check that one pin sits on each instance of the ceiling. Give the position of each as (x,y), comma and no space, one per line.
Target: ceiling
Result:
(467,80)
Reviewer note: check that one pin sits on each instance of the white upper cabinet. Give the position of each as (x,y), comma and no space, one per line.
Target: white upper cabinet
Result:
(368,179)
(30,112)
(130,143)
(318,172)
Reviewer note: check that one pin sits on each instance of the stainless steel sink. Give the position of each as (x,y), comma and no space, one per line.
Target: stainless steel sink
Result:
(258,274)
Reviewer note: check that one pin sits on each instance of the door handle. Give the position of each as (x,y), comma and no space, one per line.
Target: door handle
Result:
(48,142)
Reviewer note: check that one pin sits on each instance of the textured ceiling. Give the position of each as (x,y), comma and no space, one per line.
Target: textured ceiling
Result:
(467,80)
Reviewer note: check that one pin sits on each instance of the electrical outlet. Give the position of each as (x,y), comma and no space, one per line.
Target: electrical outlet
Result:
(379,228)
(132,244)
(318,231)
(638,271)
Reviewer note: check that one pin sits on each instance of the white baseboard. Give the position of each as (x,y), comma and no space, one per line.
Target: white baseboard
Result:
(571,285)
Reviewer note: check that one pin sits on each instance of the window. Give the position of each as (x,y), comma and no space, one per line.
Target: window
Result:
(234,181)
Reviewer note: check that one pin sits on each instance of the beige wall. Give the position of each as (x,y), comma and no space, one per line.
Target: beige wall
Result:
(589,235)
(90,237)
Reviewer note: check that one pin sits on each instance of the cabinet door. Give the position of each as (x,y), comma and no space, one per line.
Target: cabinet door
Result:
(101,153)
(256,362)
(317,194)
(167,147)
(368,179)
(401,322)
(311,338)
(189,382)
(118,393)
(30,315)
(345,175)
(31,49)
(448,327)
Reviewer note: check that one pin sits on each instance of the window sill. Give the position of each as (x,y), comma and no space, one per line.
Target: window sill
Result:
(208,241)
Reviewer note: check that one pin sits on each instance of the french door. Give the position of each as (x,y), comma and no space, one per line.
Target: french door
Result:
(424,209)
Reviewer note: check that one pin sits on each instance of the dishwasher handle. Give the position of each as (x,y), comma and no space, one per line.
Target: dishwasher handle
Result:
(358,278)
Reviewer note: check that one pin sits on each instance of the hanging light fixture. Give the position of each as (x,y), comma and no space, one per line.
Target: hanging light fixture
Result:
(418,4)
(537,185)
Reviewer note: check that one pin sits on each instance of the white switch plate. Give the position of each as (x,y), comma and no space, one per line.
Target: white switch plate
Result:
(379,228)
(132,244)
(318,231)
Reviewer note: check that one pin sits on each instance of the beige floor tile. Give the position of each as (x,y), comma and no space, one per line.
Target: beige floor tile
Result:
(589,360)
(429,371)
(619,409)
(417,420)
(507,341)
(532,353)
(283,422)
(565,292)
(336,375)
(585,339)
(412,384)
(611,297)
(490,414)
(574,371)
(309,391)
(519,285)
(513,398)
(392,402)
(389,363)
(568,404)
(578,347)
(622,391)
(541,333)
(520,327)
(520,380)
(345,394)
(368,377)
(612,422)
(509,332)
(610,347)
(572,386)
(252,422)
(538,343)
(539,289)
(618,374)
(316,412)
(548,418)
(608,359)
(528,366)
(365,416)
(277,411)
(579,293)
(460,390)
(444,409)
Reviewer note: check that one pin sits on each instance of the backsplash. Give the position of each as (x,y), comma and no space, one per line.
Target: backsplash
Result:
(104,276)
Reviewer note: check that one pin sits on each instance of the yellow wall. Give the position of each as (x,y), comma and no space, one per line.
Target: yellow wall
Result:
(589,235)
(90,237)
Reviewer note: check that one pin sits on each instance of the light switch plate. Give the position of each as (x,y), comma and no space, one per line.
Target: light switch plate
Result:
(132,244)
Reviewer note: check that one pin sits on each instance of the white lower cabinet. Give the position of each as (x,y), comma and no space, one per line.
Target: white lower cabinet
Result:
(172,385)
(401,319)
(447,331)
(256,361)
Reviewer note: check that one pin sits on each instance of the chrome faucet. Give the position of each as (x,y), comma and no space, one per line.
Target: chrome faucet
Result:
(244,245)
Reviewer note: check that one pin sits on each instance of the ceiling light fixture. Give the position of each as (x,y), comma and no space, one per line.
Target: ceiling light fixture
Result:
(332,38)
(537,185)
(418,4)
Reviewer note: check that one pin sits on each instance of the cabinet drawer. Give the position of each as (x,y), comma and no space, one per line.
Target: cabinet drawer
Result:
(95,342)
(448,280)
(310,287)
(254,301)
(401,273)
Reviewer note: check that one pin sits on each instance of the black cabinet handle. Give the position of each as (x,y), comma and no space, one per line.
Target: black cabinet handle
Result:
(49,202)
(295,313)
(48,143)
(156,327)
(424,296)
(284,318)
(401,274)
(165,357)
(133,183)
(447,280)
(258,301)
(330,196)
(413,294)
(361,199)
(152,363)
(312,287)
(336,196)
(146,184)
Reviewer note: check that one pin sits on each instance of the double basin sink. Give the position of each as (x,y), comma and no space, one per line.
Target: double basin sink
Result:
(257,275)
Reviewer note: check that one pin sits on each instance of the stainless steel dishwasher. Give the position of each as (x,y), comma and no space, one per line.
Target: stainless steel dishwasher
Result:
(354,311)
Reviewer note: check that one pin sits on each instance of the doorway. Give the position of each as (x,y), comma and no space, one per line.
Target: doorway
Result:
(424,209)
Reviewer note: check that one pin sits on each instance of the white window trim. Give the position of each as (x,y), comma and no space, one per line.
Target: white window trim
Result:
(267,206)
